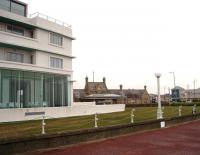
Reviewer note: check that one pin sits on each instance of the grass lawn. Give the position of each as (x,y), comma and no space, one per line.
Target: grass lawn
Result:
(31,128)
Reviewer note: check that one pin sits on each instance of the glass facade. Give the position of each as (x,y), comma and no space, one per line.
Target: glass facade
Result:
(13,6)
(18,8)
(22,89)
(5,5)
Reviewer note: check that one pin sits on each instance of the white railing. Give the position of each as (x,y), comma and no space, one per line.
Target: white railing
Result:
(37,14)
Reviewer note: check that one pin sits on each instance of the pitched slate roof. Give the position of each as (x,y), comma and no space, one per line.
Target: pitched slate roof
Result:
(96,88)
(130,93)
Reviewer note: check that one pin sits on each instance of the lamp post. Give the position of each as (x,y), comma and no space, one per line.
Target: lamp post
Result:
(174,78)
(159,110)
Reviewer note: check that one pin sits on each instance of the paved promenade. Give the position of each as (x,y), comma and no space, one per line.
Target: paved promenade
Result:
(178,140)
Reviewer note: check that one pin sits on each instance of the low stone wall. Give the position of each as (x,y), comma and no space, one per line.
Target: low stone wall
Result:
(61,139)
(146,105)
(54,140)
(176,120)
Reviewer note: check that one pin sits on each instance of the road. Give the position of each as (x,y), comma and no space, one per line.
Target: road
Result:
(177,140)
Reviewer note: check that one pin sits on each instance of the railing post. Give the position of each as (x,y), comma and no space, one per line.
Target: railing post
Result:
(179,111)
(194,109)
(95,120)
(132,115)
(43,125)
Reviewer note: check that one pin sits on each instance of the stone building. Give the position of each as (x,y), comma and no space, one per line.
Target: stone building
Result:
(98,91)
(133,96)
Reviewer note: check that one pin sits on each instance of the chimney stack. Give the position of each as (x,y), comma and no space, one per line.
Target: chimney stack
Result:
(104,80)
(120,86)
(145,87)
(86,79)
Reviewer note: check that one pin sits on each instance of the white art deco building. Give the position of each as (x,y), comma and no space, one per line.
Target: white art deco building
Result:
(35,59)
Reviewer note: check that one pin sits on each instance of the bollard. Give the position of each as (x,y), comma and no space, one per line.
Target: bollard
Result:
(162,124)
(43,125)
(95,120)
(179,111)
(194,109)
(132,115)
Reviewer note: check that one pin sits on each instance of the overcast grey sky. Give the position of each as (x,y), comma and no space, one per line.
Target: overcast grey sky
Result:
(127,41)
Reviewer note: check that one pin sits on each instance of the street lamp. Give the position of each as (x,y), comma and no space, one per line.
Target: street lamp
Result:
(174,78)
(159,110)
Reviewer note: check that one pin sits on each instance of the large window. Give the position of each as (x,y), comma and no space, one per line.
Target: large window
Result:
(13,6)
(5,5)
(56,62)
(56,39)
(15,30)
(15,57)
(20,89)
(18,8)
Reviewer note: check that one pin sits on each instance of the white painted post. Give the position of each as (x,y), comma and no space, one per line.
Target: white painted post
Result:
(132,115)
(194,109)
(43,125)
(95,120)
(179,110)
(159,110)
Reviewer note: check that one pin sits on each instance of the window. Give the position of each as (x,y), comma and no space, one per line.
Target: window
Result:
(18,8)
(5,5)
(16,57)
(14,7)
(15,30)
(56,62)
(56,39)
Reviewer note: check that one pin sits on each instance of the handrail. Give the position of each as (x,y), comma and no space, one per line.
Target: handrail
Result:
(37,14)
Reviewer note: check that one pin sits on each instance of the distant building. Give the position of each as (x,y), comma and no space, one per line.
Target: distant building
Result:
(98,91)
(165,98)
(185,95)
(133,96)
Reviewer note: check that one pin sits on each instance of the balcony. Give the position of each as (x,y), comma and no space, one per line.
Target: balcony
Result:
(13,39)
(32,67)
